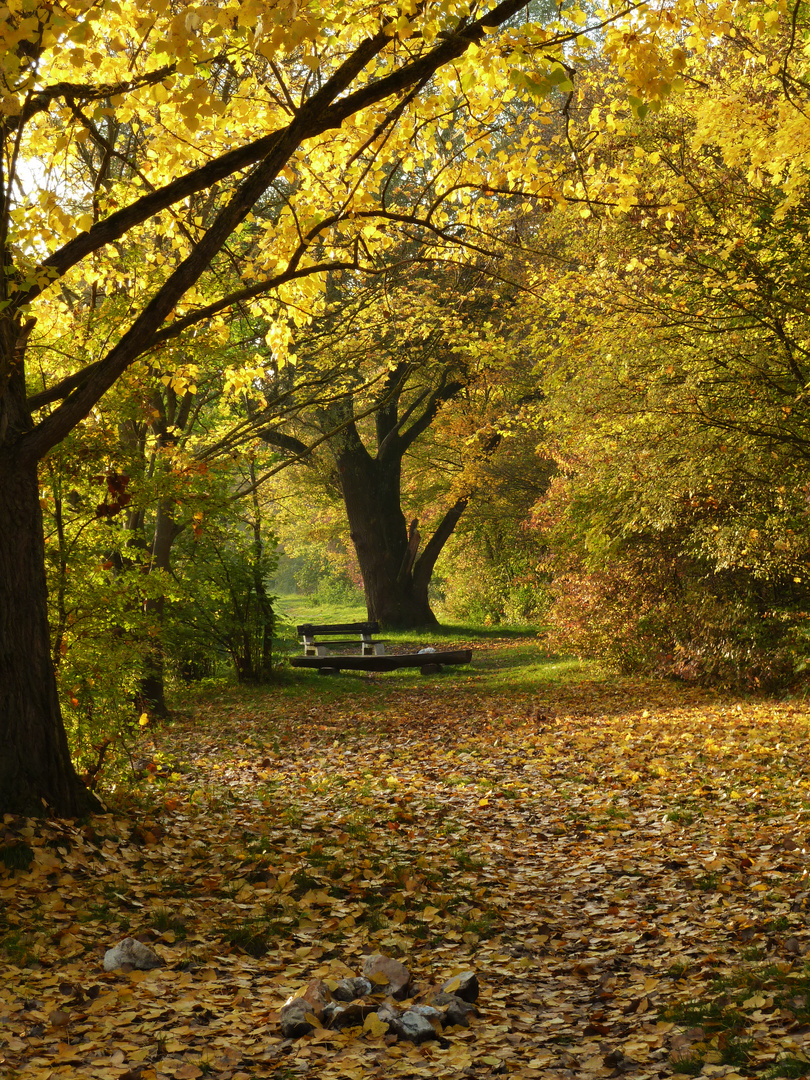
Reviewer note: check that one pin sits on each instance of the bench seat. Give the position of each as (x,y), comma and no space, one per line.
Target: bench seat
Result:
(308,632)
(383,663)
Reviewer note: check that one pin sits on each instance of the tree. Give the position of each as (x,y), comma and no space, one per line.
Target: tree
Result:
(681,389)
(261,90)
(223,606)
(404,350)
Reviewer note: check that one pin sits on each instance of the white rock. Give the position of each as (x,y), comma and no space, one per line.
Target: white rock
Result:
(132,953)
(413,1027)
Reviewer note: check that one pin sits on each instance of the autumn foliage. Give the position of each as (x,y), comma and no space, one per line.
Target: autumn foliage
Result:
(622,864)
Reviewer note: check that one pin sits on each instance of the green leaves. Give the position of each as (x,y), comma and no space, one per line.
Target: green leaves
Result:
(539,84)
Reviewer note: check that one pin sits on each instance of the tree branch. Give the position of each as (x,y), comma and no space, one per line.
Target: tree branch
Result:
(406,439)
(423,567)
(43,100)
(314,117)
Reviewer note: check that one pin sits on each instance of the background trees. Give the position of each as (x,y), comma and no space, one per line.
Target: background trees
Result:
(180,188)
(405,350)
(152,224)
(682,407)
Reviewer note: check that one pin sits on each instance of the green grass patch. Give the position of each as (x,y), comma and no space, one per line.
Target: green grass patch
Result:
(483,926)
(162,919)
(17,947)
(680,817)
(257,936)
(690,1064)
(714,1015)
(522,667)
(788,1067)
(708,882)
(724,1015)
(175,885)
(679,969)
(296,609)
(509,660)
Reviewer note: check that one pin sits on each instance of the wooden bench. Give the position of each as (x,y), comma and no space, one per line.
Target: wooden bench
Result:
(308,632)
(429,663)
(372,656)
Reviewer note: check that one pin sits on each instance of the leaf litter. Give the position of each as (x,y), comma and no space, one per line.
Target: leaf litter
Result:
(622,864)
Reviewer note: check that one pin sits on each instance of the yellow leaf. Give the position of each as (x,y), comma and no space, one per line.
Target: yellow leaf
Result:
(755,1002)
(374,1026)
(187,1072)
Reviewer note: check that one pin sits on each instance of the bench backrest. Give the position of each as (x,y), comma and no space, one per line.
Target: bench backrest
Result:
(339,628)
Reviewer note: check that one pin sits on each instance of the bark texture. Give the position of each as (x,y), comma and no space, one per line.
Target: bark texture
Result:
(371,492)
(36,773)
(395,576)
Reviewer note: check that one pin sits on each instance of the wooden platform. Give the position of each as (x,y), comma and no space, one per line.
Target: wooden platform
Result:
(383,663)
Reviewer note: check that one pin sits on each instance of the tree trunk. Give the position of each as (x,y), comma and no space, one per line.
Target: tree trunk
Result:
(371,492)
(151,697)
(36,774)
(265,614)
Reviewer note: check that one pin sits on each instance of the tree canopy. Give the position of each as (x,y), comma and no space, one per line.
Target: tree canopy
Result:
(180,184)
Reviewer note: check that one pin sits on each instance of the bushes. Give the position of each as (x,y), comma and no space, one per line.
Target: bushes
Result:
(478,590)
(492,571)
(650,610)
(224,608)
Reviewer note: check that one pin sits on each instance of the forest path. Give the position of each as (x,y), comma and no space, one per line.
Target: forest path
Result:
(599,851)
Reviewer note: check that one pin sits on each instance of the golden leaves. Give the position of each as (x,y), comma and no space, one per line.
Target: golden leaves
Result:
(374,1027)
(612,875)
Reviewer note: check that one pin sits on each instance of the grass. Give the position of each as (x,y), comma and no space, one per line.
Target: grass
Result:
(788,1067)
(506,659)
(17,946)
(690,1064)
(723,1017)
(298,609)
(163,919)
(256,936)
(523,667)
(714,1015)
(679,969)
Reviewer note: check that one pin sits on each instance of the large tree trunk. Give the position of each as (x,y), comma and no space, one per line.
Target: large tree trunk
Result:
(395,583)
(36,774)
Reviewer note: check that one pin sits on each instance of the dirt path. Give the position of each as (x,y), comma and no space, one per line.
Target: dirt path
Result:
(599,854)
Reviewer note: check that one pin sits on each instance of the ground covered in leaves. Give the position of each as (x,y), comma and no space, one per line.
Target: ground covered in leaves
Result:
(622,864)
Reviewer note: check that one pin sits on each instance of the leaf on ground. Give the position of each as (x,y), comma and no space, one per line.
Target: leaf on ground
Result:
(640,863)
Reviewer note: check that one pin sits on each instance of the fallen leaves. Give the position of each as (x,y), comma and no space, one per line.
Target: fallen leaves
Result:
(599,857)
